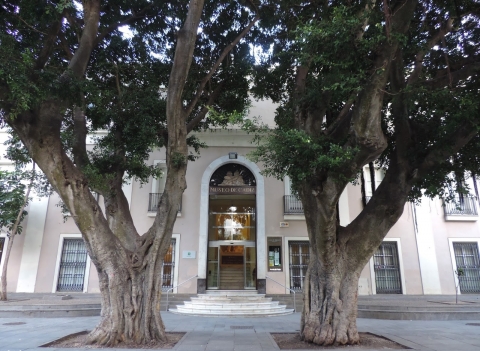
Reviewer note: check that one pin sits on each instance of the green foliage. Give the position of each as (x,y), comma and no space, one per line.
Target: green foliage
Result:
(178,160)
(12,193)
(339,43)
(301,157)
(123,94)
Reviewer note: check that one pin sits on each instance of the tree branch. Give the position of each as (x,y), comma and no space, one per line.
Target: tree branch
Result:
(136,16)
(203,112)
(366,129)
(48,44)
(80,131)
(446,28)
(78,64)
(201,87)
(453,77)
(441,153)
(64,45)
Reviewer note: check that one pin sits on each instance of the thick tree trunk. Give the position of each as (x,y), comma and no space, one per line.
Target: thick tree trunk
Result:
(330,308)
(130,304)
(338,254)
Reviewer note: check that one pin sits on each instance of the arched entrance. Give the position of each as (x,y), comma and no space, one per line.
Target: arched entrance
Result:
(232,227)
(231,258)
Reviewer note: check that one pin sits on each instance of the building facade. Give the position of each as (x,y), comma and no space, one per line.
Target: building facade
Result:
(237,229)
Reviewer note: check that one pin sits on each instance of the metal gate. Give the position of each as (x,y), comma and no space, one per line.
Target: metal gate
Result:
(299,252)
(168,269)
(466,258)
(71,274)
(387,269)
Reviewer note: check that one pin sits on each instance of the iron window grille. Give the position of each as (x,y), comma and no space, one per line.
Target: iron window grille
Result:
(461,206)
(387,269)
(467,260)
(154,199)
(299,252)
(292,204)
(73,263)
(168,268)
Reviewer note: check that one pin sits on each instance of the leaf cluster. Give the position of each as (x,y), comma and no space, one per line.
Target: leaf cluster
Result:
(300,156)
(12,193)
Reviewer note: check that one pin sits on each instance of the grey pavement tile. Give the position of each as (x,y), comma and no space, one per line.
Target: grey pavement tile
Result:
(247,348)
(219,347)
(190,348)
(193,341)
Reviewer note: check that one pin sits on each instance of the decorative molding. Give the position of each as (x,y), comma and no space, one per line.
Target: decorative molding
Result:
(204,204)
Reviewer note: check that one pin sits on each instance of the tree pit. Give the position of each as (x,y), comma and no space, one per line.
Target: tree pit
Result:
(79,340)
(292,341)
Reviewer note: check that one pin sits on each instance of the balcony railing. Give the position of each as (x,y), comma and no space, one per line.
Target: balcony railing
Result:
(462,206)
(154,199)
(292,205)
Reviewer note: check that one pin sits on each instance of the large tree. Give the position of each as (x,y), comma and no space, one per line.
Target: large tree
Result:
(359,81)
(146,73)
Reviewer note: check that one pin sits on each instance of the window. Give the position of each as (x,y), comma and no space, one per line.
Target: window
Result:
(299,255)
(387,269)
(158,185)
(168,268)
(467,262)
(73,262)
(462,206)
(291,202)
(378,174)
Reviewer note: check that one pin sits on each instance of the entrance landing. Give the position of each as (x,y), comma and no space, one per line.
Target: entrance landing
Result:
(239,303)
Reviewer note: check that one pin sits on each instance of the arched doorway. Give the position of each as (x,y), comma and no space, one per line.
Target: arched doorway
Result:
(232,229)
(205,244)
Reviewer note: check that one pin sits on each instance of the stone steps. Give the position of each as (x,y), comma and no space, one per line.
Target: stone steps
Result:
(231,277)
(246,303)
(81,305)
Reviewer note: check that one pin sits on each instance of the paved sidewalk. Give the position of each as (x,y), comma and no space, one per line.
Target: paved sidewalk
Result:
(217,334)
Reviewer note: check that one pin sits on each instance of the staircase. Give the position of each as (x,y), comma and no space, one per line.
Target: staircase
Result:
(231,277)
(241,303)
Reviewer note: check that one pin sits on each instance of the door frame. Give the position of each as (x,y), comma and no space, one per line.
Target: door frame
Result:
(400,263)
(260,218)
(452,255)
(59,257)
(244,243)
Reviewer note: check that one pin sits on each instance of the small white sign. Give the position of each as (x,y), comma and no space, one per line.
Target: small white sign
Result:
(188,254)
(284,225)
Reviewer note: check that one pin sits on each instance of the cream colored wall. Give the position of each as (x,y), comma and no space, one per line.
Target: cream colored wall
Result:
(54,226)
(187,226)
(275,190)
(444,230)
(13,267)
(404,230)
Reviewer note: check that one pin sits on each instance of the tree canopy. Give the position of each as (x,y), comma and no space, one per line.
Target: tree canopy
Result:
(396,82)
(140,75)
(336,44)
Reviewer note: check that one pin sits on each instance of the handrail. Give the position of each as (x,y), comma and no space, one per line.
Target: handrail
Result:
(294,293)
(176,286)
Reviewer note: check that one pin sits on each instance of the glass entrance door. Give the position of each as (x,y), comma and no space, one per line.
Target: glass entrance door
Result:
(231,266)
(231,248)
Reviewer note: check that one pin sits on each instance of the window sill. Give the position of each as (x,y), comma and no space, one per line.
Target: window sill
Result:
(153,214)
(461,218)
(294,217)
